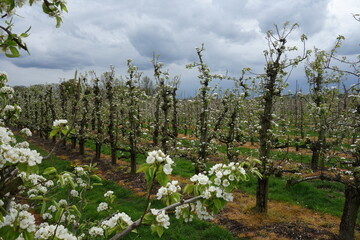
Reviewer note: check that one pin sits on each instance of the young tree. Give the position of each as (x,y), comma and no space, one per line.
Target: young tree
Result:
(204,98)
(109,78)
(272,83)
(134,95)
(322,102)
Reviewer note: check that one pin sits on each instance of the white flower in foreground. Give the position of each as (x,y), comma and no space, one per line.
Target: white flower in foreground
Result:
(167,169)
(202,212)
(171,188)
(48,232)
(52,208)
(26,132)
(60,122)
(184,212)
(201,179)
(74,193)
(63,203)
(158,156)
(47,216)
(108,193)
(80,171)
(113,221)
(102,207)
(161,218)
(96,231)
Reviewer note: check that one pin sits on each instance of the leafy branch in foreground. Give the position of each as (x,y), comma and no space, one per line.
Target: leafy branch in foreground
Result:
(10,42)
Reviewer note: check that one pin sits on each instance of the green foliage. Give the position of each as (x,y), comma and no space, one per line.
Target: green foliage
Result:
(11,42)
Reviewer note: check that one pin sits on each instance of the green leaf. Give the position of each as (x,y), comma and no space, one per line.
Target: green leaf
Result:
(50,170)
(24,35)
(148,218)
(143,168)
(8,232)
(189,188)
(76,210)
(61,179)
(149,173)
(53,132)
(43,207)
(175,198)
(63,7)
(217,204)
(45,8)
(153,228)
(96,177)
(58,214)
(70,180)
(162,178)
(64,131)
(38,197)
(160,230)
(14,52)
(27,235)
(55,203)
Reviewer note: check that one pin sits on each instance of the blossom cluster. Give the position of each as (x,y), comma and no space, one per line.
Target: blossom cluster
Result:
(96,231)
(6,136)
(9,91)
(11,108)
(185,212)
(19,154)
(47,231)
(102,207)
(119,218)
(156,157)
(60,122)
(26,132)
(200,179)
(162,219)
(171,188)
(19,216)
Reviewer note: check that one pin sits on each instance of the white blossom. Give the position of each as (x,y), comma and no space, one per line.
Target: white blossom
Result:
(102,207)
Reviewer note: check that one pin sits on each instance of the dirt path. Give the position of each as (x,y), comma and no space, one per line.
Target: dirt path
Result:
(283,221)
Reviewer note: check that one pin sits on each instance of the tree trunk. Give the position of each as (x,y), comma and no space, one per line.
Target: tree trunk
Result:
(73,142)
(262,192)
(315,159)
(351,207)
(82,146)
(133,159)
(156,122)
(97,151)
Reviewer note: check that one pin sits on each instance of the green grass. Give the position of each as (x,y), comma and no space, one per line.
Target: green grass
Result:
(322,196)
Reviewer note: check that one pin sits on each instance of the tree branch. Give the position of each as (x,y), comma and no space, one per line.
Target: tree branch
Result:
(18,42)
(322,176)
(137,223)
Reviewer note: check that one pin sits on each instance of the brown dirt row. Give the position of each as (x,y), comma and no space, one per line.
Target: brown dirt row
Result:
(284,221)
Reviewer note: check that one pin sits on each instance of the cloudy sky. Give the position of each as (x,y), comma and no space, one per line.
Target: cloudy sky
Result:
(97,34)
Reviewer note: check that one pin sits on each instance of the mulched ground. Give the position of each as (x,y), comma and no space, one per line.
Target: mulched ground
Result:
(283,221)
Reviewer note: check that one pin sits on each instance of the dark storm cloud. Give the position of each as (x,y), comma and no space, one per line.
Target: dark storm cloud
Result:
(96,34)
(159,39)
(53,60)
(310,15)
